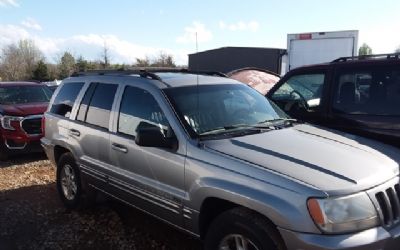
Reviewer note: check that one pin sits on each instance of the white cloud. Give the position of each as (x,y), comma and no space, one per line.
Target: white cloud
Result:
(240,26)
(203,35)
(381,38)
(31,23)
(4,3)
(88,45)
(12,33)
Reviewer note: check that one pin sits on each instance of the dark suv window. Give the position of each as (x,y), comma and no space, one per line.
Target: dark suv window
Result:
(306,87)
(97,103)
(374,91)
(139,108)
(65,98)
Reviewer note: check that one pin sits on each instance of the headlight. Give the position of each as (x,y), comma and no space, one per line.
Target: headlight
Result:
(343,214)
(7,120)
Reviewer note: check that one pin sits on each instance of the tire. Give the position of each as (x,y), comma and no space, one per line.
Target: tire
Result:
(68,181)
(244,226)
(3,152)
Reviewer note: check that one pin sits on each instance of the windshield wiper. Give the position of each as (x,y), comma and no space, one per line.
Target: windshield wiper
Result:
(275,122)
(226,128)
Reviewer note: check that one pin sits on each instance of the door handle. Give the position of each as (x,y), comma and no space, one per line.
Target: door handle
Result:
(119,147)
(74,132)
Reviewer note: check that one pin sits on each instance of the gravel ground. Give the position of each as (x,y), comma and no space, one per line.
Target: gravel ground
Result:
(32,217)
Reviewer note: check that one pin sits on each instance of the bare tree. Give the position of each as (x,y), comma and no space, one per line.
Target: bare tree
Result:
(18,61)
(105,55)
(163,60)
(142,62)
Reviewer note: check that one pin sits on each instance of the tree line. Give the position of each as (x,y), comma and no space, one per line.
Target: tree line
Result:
(365,49)
(23,61)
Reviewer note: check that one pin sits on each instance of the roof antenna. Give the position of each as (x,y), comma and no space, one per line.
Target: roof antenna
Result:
(198,95)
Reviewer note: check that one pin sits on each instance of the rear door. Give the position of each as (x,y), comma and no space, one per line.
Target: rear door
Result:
(89,133)
(149,178)
(366,101)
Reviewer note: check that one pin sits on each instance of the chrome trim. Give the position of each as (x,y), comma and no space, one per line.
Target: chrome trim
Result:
(133,190)
(29,117)
(10,147)
(383,188)
(146,212)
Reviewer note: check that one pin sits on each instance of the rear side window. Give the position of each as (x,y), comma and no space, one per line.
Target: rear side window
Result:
(65,98)
(374,91)
(97,103)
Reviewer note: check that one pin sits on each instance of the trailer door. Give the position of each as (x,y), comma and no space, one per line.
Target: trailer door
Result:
(313,51)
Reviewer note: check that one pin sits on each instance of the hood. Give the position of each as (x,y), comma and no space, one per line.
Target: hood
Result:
(24,109)
(334,162)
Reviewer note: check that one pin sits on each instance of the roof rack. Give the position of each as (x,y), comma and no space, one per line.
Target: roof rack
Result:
(187,71)
(365,57)
(148,72)
(141,72)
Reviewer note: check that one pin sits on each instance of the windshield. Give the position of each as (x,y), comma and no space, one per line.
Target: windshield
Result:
(24,94)
(214,108)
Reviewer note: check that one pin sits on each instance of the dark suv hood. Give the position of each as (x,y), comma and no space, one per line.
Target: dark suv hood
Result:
(327,160)
(24,109)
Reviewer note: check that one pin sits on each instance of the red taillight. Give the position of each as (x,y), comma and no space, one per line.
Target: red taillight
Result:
(43,124)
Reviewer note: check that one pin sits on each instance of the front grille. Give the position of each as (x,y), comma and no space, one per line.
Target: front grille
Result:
(389,205)
(32,126)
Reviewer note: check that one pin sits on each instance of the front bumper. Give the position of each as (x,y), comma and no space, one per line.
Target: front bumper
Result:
(14,143)
(371,239)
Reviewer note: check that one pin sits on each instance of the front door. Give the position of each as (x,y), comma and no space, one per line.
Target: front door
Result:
(150,178)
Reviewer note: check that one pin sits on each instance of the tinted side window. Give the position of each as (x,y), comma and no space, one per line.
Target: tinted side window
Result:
(100,97)
(373,91)
(85,102)
(307,87)
(139,107)
(65,98)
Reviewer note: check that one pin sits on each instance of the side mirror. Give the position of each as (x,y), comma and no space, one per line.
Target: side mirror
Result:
(149,135)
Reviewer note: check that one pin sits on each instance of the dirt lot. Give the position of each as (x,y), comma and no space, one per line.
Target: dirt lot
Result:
(32,217)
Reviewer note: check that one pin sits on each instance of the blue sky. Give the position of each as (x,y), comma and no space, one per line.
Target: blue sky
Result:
(135,29)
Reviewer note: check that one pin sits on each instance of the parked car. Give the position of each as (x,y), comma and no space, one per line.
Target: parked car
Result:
(214,158)
(53,87)
(359,95)
(21,109)
(260,79)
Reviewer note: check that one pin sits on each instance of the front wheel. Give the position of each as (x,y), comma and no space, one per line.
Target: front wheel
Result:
(240,228)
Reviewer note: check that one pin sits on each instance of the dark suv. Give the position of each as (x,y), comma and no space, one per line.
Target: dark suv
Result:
(359,95)
(21,109)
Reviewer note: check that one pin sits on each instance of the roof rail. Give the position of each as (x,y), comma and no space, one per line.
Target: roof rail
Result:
(141,72)
(147,72)
(186,70)
(365,57)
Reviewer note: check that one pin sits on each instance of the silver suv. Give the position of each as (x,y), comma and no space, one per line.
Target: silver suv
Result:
(214,158)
